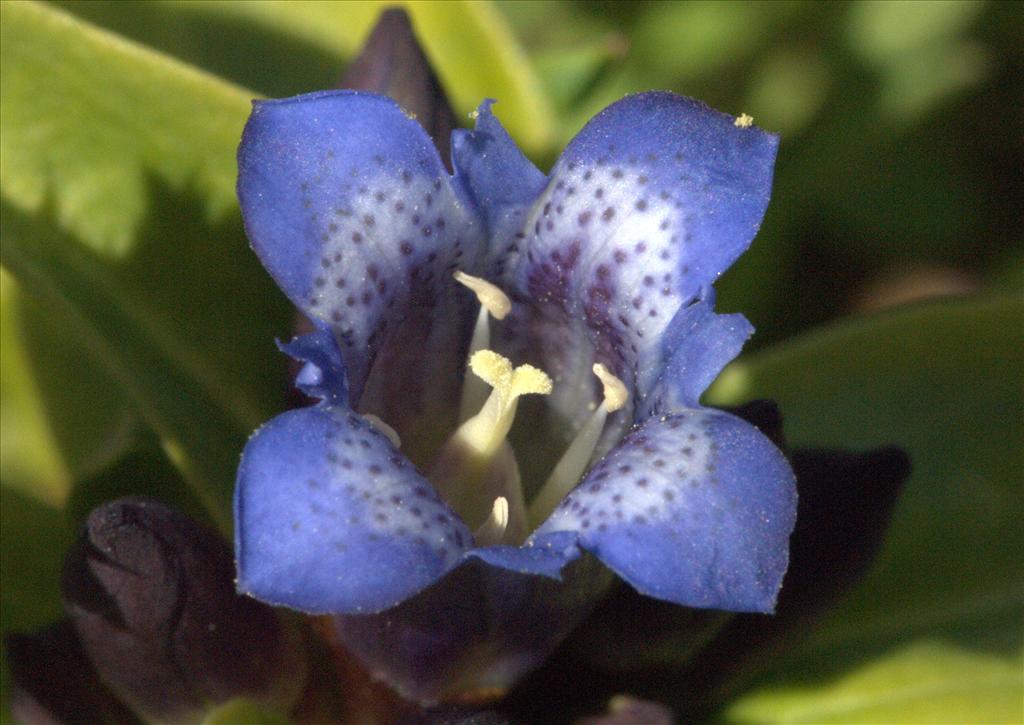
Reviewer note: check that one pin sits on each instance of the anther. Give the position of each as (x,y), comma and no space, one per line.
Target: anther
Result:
(615,393)
(491,298)
(492,531)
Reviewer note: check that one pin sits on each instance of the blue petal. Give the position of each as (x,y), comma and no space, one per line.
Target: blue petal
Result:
(349,207)
(670,171)
(648,205)
(695,347)
(694,508)
(492,167)
(323,375)
(331,518)
(543,555)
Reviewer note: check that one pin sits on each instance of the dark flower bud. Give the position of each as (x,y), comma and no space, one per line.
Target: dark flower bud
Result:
(53,681)
(393,64)
(151,594)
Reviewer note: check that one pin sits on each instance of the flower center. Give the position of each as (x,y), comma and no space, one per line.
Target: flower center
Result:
(476,471)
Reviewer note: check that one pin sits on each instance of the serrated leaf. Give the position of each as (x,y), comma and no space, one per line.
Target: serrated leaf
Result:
(159,117)
(200,436)
(943,381)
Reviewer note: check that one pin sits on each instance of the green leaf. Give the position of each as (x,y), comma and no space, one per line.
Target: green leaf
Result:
(570,72)
(925,682)
(283,48)
(56,427)
(120,223)
(943,381)
(61,79)
(243,712)
(29,458)
(31,552)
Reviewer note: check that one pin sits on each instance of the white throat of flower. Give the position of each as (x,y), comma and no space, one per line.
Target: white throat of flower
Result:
(476,471)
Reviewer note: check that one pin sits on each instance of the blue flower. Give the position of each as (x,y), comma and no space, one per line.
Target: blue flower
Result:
(583,302)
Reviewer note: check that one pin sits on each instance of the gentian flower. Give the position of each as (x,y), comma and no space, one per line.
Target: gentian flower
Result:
(571,312)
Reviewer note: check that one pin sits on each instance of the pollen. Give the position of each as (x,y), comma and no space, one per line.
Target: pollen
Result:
(491,298)
(496,370)
(743,121)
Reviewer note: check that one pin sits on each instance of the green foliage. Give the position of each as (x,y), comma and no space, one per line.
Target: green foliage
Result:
(925,682)
(243,712)
(137,327)
(939,617)
(120,222)
(285,48)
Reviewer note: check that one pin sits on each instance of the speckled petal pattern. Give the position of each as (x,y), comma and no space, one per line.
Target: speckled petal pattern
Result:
(329,517)
(349,207)
(694,508)
(648,205)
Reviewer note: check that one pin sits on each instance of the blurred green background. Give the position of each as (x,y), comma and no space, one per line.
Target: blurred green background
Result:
(137,326)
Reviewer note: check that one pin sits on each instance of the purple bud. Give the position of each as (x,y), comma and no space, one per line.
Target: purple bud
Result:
(393,63)
(151,594)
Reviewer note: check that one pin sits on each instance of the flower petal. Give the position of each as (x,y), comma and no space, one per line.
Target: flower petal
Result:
(323,375)
(695,346)
(349,207)
(665,170)
(331,518)
(694,508)
(648,205)
(499,177)
(544,555)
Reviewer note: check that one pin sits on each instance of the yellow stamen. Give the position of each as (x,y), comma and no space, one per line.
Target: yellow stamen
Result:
(576,459)
(490,297)
(615,393)
(485,431)
(492,531)
(493,303)
(477,465)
